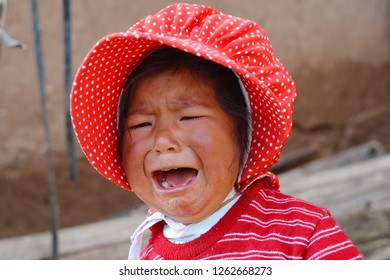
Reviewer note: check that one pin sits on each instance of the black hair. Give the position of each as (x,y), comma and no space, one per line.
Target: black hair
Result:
(227,90)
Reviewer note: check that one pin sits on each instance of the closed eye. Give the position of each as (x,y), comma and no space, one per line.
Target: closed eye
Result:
(139,126)
(188,118)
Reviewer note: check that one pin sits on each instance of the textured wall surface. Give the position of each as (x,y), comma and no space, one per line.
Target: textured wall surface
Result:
(337,51)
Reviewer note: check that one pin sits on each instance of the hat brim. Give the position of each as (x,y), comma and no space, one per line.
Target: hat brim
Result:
(100,79)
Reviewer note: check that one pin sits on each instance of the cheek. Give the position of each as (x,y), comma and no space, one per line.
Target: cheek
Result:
(133,157)
(214,143)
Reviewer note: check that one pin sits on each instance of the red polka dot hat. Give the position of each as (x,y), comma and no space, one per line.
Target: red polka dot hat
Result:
(238,44)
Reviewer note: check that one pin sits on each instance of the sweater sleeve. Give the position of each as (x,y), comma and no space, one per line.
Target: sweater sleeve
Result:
(329,242)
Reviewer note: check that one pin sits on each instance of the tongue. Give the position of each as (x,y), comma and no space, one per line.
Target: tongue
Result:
(180,177)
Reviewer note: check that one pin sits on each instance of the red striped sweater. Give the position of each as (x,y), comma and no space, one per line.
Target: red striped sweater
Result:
(263,224)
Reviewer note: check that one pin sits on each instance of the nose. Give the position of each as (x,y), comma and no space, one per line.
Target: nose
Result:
(166,141)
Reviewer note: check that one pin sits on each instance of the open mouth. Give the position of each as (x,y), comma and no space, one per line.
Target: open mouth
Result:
(175,178)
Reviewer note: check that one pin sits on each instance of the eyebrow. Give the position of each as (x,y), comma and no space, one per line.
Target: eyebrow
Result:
(176,104)
(143,109)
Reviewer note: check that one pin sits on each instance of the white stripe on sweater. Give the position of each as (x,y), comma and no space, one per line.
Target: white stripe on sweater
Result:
(323,234)
(266,224)
(331,249)
(264,238)
(283,211)
(253,254)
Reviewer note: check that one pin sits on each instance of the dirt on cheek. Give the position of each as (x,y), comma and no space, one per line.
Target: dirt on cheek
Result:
(181,208)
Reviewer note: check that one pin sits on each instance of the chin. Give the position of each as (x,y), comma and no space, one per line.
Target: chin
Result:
(186,216)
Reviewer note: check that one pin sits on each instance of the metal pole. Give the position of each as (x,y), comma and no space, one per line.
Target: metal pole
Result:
(50,169)
(68,84)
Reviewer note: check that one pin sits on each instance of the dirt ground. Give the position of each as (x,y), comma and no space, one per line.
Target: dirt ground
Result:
(24,206)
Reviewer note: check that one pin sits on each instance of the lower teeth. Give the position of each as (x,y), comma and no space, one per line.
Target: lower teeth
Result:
(165,184)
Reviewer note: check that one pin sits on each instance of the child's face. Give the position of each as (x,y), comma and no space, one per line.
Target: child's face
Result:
(179,152)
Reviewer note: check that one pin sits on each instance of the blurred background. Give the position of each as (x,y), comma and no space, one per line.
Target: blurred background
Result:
(338,53)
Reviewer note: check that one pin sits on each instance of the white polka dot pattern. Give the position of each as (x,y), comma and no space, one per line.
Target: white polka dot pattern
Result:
(233,42)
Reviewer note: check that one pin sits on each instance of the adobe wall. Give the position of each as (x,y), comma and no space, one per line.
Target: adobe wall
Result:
(337,51)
